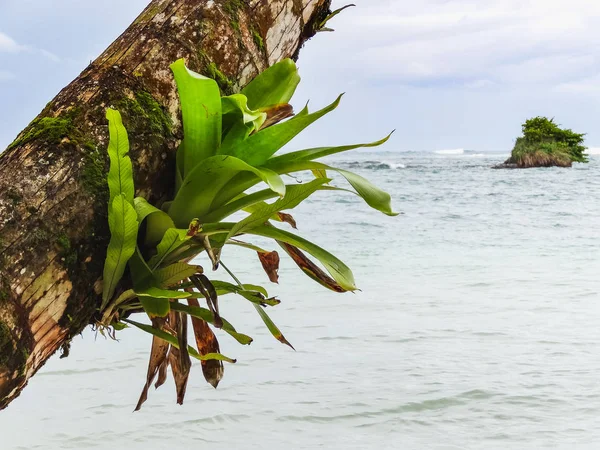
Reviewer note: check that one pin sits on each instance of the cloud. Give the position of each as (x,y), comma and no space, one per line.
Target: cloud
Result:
(8,45)
(496,43)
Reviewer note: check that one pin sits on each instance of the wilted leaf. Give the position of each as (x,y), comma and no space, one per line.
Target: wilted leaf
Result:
(207,342)
(179,358)
(287,218)
(338,270)
(207,316)
(203,284)
(311,269)
(179,375)
(171,339)
(270,262)
(158,355)
(162,373)
(277,113)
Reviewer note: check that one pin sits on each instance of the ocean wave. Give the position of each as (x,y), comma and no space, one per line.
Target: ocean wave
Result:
(376,165)
(455,151)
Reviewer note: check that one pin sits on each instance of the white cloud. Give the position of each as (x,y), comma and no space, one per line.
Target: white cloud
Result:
(502,42)
(7,44)
(51,56)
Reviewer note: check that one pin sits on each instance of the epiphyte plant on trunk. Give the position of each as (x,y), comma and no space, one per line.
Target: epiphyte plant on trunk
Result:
(229,146)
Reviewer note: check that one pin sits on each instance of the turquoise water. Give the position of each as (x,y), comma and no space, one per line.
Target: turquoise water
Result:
(478,327)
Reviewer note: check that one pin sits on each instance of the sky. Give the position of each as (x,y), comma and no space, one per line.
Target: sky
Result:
(444,74)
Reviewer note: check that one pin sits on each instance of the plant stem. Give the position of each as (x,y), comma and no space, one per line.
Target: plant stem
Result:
(232,275)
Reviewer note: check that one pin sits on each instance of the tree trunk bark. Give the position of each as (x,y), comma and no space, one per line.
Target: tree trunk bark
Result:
(53,193)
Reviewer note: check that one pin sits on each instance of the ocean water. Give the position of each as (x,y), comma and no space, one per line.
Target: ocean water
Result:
(477,327)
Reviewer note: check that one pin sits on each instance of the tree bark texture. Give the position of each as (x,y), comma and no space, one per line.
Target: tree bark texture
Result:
(53,193)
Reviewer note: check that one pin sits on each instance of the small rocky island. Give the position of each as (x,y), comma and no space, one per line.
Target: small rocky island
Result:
(545,144)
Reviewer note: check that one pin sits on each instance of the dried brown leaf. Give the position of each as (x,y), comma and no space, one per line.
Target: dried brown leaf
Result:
(311,269)
(207,342)
(270,262)
(287,218)
(179,359)
(158,355)
(206,288)
(277,113)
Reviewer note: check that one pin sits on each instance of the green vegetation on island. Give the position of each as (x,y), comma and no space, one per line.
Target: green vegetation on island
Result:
(545,144)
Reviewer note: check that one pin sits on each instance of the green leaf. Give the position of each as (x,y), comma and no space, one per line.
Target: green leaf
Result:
(207,316)
(259,147)
(316,153)
(158,221)
(338,270)
(275,85)
(223,287)
(174,273)
(123,225)
(277,334)
(240,203)
(141,275)
(295,195)
(125,296)
(259,299)
(154,299)
(253,293)
(236,111)
(143,208)
(175,343)
(254,287)
(120,174)
(198,191)
(170,242)
(156,307)
(247,245)
(201,112)
(322,26)
(375,197)
(156,292)
(371,194)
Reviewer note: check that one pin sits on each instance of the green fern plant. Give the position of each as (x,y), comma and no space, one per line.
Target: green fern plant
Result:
(228,152)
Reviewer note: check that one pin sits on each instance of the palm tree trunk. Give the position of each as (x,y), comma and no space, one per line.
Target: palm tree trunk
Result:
(53,225)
